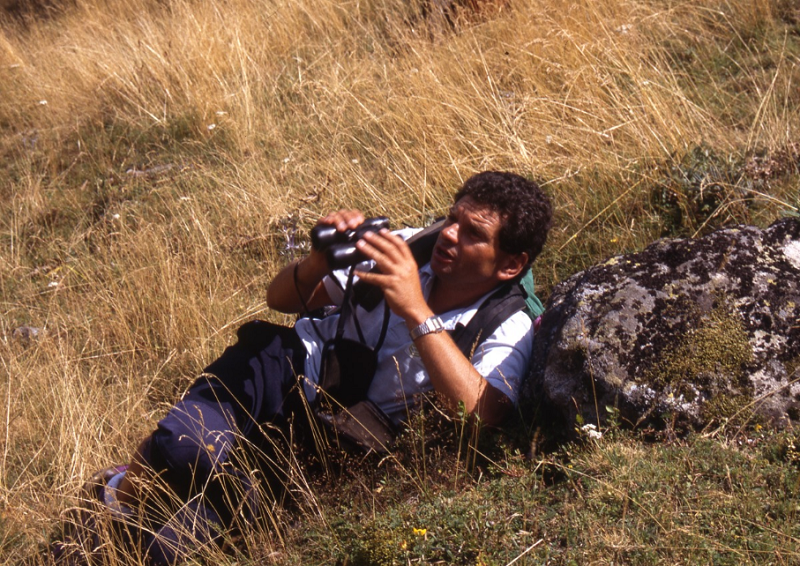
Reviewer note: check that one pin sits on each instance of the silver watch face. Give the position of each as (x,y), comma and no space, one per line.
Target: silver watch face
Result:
(432,324)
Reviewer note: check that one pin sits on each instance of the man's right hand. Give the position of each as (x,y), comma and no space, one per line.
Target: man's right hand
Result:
(343,219)
(299,285)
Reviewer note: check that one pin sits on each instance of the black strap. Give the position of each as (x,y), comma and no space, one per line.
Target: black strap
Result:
(508,300)
(347,307)
(348,310)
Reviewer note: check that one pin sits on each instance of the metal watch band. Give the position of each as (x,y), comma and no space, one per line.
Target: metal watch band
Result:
(431,325)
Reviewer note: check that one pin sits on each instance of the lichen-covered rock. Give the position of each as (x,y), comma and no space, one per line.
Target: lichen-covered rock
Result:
(687,333)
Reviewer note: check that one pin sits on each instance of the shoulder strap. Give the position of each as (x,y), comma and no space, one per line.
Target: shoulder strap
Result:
(508,300)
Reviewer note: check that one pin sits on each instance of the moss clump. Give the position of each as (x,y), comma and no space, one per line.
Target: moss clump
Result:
(709,358)
(732,409)
(377,547)
(792,367)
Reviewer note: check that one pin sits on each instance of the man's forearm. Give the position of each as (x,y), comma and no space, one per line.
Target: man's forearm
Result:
(454,376)
(298,283)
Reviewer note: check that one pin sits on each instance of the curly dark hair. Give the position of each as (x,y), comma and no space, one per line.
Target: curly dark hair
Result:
(525,210)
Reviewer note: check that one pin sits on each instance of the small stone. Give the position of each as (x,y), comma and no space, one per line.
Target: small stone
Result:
(26,334)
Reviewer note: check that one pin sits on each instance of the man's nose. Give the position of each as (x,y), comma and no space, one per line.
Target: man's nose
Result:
(450,232)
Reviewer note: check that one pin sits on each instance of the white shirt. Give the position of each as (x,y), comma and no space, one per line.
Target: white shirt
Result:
(502,359)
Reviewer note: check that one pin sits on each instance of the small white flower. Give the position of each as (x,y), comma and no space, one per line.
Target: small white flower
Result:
(591,431)
(53,284)
(211,127)
(354,161)
(42,103)
(548,139)
(286,159)
(115,216)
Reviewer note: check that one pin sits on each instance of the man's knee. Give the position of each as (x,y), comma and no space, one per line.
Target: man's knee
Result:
(190,444)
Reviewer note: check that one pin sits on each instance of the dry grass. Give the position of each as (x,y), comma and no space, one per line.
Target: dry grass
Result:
(157,158)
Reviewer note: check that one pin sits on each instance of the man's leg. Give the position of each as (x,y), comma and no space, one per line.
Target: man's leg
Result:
(247,386)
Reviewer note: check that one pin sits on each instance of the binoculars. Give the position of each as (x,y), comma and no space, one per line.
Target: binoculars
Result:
(340,247)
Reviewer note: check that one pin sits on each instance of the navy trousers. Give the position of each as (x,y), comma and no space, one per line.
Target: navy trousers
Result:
(242,403)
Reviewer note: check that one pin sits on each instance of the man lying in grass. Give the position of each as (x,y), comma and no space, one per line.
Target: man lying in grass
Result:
(268,383)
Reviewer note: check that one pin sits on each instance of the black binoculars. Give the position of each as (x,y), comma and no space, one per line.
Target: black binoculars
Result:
(340,247)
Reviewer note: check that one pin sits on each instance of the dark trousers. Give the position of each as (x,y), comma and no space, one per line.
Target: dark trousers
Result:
(241,404)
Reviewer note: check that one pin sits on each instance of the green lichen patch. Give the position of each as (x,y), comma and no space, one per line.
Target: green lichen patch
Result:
(731,409)
(710,358)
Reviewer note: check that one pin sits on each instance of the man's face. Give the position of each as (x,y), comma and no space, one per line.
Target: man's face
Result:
(467,252)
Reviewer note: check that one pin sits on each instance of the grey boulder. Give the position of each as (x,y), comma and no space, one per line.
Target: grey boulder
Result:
(687,333)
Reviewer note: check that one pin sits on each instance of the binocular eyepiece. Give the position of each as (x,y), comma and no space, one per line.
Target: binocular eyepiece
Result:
(340,247)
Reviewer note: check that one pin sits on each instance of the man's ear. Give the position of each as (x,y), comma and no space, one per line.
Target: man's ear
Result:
(512,265)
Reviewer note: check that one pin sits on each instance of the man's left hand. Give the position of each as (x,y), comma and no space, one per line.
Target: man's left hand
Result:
(398,277)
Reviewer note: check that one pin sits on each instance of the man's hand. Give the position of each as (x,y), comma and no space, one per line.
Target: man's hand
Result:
(343,220)
(299,285)
(398,277)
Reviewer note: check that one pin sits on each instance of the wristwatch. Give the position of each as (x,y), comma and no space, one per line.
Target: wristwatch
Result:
(432,325)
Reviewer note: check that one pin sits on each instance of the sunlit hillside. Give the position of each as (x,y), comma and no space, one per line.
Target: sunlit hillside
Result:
(159,162)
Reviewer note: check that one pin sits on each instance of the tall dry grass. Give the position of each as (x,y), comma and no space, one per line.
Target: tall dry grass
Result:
(159,158)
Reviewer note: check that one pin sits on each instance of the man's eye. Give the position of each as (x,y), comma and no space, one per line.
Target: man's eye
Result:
(474,233)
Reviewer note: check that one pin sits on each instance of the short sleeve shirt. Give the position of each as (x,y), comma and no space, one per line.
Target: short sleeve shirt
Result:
(502,359)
